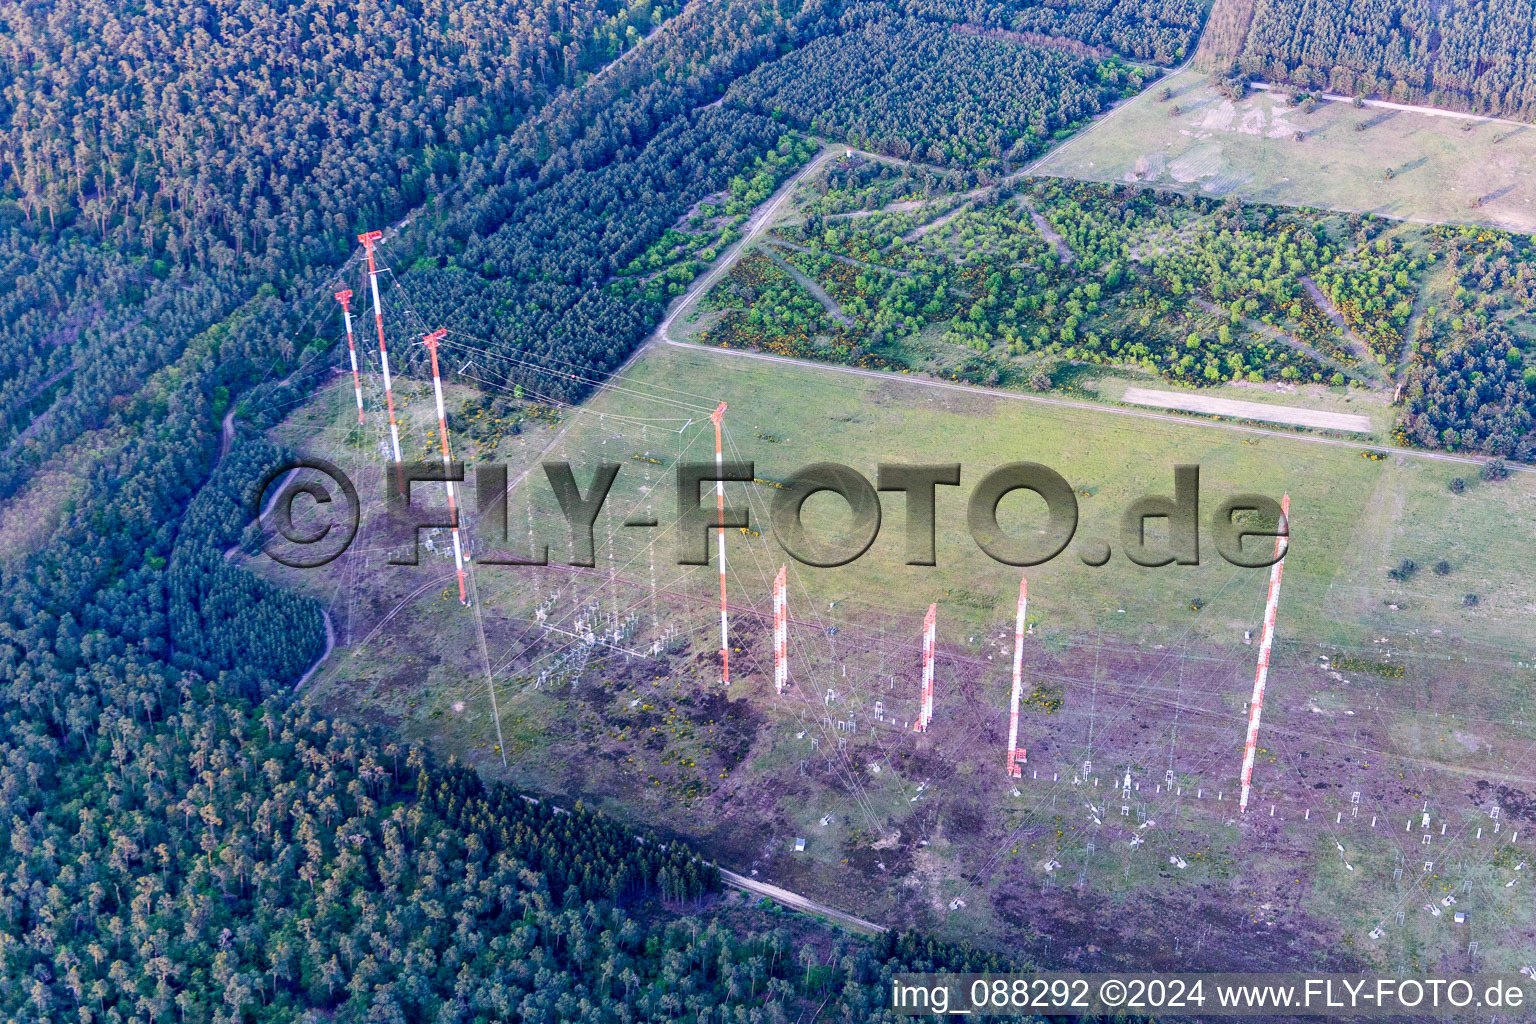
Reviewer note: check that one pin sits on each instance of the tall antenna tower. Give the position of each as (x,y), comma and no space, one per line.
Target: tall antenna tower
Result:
(930,631)
(368,239)
(431,340)
(725,643)
(780,632)
(1256,705)
(345,297)
(1016,753)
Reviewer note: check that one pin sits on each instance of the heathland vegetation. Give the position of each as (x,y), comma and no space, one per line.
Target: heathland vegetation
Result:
(1036,277)
(1126,277)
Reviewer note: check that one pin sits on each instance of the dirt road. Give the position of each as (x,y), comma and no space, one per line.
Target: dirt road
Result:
(795,901)
(330,645)
(756,225)
(1410,108)
(817,291)
(1212,406)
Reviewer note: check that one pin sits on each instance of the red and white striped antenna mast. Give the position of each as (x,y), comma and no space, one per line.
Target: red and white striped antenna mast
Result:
(345,298)
(780,632)
(930,634)
(431,340)
(1016,753)
(1266,640)
(725,642)
(368,239)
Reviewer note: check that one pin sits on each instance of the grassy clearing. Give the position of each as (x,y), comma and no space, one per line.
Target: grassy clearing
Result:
(608,677)
(1249,149)
(926,830)
(1340,545)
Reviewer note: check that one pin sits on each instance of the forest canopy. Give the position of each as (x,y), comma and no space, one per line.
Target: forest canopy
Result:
(264,136)
(916,89)
(1162,31)
(222,862)
(1476,57)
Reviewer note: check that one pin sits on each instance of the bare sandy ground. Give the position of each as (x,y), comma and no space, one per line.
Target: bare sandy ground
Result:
(1188,402)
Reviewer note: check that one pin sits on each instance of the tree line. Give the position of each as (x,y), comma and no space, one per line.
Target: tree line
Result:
(1473,57)
(1163,31)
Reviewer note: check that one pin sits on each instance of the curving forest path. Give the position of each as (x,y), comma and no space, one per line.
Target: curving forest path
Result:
(817,291)
(330,645)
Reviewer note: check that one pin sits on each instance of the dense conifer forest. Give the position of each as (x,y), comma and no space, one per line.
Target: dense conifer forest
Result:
(264,136)
(1475,57)
(190,856)
(1162,31)
(916,89)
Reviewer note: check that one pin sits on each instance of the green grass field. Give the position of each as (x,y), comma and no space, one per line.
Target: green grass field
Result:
(1353,517)
(1248,149)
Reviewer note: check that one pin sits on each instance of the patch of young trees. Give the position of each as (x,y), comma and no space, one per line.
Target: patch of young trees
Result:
(1373,287)
(1129,277)
(1471,396)
(857,183)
